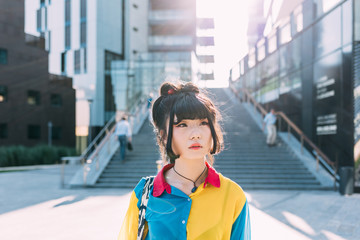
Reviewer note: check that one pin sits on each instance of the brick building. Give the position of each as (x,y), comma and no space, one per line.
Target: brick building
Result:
(31,100)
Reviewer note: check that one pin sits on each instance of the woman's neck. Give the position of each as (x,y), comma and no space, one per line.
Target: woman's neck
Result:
(190,168)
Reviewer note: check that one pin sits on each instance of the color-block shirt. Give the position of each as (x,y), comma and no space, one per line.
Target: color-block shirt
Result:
(218,209)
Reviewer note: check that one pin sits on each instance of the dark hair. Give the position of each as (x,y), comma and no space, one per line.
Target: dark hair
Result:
(185,101)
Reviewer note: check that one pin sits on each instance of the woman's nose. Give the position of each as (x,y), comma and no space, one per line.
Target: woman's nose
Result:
(195,133)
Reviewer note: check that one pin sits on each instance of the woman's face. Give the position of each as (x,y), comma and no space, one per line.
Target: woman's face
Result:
(191,138)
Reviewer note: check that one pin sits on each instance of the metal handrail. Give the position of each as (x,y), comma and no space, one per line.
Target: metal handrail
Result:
(247,97)
(94,148)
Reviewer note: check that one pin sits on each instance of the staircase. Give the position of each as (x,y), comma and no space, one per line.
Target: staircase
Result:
(246,159)
(138,163)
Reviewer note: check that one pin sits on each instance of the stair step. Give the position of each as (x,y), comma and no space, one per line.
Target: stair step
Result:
(246,159)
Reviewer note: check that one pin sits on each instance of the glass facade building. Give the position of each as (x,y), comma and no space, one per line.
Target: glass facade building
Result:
(307,68)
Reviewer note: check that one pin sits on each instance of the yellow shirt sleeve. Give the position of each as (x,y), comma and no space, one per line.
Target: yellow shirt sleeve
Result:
(129,227)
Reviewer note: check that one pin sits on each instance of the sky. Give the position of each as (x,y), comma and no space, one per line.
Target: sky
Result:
(231,20)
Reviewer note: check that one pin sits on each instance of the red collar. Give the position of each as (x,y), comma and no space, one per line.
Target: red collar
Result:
(160,184)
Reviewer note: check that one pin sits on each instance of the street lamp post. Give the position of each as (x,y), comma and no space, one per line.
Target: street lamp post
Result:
(90,130)
(50,125)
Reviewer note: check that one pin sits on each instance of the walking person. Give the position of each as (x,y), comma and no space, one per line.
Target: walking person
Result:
(123,133)
(188,198)
(269,121)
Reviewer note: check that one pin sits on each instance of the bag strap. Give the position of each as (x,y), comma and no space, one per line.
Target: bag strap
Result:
(149,181)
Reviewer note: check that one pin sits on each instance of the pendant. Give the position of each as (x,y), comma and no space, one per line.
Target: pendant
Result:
(193,189)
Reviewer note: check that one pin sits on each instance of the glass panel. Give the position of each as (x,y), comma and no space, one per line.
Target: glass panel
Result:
(235,72)
(3,56)
(327,33)
(83,9)
(83,34)
(56,100)
(56,133)
(67,10)
(63,62)
(33,97)
(77,61)
(34,131)
(251,58)
(3,93)
(357,20)
(323,6)
(294,49)
(85,60)
(298,18)
(272,44)
(347,22)
(261,50)
(3,130)
(285,34)
(67,37)
(327,74)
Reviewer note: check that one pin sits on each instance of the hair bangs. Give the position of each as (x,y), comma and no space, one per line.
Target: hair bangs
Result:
(191,107)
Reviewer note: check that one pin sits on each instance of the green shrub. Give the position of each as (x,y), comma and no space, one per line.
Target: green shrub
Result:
(41,154)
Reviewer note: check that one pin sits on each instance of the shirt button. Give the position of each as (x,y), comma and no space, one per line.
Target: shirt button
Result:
(183,221)
(189,200)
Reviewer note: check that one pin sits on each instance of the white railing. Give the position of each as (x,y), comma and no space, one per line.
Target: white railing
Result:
(98,154)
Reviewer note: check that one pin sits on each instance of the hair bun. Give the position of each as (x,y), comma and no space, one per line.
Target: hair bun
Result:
(189,87)
(166,87)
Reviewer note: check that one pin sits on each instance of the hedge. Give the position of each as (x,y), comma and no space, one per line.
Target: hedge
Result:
(41,154)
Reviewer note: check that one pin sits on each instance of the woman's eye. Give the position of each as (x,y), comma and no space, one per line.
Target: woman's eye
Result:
(204,123)
(181,125)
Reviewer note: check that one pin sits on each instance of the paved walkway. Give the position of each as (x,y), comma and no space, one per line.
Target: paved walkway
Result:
(34,207)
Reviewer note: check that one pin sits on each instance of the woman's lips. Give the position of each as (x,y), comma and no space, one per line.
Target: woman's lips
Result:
(195,146)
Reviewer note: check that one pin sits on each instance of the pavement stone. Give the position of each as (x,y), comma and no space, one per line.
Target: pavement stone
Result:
(34,206)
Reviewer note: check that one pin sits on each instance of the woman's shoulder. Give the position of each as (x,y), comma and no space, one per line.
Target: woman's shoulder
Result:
(140,186)
(234,188)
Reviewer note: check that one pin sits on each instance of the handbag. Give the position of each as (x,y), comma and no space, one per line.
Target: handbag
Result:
(149,182)
(130,146)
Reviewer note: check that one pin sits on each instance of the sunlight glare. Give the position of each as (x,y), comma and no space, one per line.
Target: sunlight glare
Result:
(299,223)
(231,20)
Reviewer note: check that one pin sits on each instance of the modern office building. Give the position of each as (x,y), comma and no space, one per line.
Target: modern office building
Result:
(168,32)
(205,49)
(82,37)
(306,65)
(35,107)
(117,52)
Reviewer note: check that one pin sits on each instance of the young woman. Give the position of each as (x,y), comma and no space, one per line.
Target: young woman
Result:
(189,199)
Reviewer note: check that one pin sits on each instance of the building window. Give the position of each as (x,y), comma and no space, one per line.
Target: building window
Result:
(33,97)
(42,3)
(3,93)
(56,100)
(38,20)
(3,130)
(285,34)
(77,61)
(56,133)
(67,24)
(83,25)
(83,7)
(34,131)
(67,37)
(83,34)
(3,56)
(272,43)
(63,62)
(84,60)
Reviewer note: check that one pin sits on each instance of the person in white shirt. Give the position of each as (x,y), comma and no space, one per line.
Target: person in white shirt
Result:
(123,133)
(269,121)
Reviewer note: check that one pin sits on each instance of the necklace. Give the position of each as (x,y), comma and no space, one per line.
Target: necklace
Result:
(195,187)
